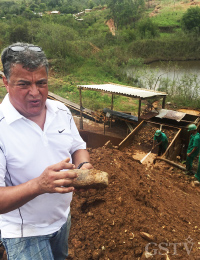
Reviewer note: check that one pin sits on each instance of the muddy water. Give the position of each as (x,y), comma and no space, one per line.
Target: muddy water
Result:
(176,68)
(173,70)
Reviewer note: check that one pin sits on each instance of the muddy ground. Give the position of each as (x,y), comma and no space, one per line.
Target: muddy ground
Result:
(148,211)
(156,204)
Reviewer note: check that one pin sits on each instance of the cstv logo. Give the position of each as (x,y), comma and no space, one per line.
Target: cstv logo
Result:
(164,248)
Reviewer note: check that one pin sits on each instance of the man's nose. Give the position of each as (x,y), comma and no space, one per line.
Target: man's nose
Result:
(34,90)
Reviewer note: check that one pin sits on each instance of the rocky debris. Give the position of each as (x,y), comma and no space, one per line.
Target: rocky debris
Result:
(140,211)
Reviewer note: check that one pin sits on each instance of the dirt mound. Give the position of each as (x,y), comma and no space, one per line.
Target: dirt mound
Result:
(152,211)
(147,212)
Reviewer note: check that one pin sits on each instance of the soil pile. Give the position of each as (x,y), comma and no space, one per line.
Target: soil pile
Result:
(146,212)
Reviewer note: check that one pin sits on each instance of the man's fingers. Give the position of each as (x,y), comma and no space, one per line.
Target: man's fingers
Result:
(65,175)
(66,182)
(62,165)
(64,189)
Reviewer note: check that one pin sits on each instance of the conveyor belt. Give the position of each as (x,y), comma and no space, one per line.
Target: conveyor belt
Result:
(121,115)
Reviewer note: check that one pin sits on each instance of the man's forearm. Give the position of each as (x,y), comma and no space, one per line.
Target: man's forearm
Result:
(193,150)
(13,197)
(80,156)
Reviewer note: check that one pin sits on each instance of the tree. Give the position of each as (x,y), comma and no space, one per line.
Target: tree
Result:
(28,14)
(42,7)
(147,29)
(125,11)
(19,32)
(191,20)
(90,4)
(32,7)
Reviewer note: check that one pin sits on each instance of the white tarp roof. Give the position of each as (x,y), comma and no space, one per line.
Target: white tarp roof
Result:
(124,90)
(170,114)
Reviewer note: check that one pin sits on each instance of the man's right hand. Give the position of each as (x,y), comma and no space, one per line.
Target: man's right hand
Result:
(55,179)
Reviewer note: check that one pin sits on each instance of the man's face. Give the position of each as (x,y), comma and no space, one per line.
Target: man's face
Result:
(27,90)
(193,132)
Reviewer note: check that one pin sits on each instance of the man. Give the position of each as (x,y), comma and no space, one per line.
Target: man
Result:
(160,140)
(193,147)
(39,142)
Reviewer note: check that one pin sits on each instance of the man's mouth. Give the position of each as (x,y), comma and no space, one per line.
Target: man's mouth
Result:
(35,102)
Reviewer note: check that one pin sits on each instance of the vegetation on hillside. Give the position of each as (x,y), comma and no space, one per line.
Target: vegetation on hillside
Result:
(82,50)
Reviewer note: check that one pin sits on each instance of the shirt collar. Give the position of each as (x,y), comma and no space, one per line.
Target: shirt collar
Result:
(10,113)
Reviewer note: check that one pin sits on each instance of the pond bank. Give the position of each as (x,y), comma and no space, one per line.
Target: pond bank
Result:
(152,60)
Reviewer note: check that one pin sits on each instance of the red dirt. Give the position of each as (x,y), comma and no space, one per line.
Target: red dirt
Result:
(159,200)
(141,198)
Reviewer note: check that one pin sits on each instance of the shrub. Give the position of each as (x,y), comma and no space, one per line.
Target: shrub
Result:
(191,20)
(147,29)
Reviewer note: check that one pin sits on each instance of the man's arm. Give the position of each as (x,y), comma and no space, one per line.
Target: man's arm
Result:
(193,150)
(54,179)
(81,156)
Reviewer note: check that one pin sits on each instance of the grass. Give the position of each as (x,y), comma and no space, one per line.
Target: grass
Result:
(168,18)
(170,13)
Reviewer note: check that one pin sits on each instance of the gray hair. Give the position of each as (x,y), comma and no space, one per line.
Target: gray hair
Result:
(28,58)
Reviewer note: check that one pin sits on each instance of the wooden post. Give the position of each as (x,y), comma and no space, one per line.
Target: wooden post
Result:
(112,102)
(139,109)
(111,109)
(81,112)
(163,103)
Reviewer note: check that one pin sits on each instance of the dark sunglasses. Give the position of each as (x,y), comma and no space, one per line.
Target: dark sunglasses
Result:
(18,48)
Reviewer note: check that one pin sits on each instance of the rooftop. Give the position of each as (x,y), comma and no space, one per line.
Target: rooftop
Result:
(124,90)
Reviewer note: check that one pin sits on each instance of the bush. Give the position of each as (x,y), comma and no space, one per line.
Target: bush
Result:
(147,29)
(191,20)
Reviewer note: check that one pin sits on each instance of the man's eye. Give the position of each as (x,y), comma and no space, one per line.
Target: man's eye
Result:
(23,85)
(41,84)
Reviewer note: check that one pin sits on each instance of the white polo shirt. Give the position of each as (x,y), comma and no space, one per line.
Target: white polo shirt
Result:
(25,152)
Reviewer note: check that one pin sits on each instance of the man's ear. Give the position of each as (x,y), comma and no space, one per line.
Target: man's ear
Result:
(5,81)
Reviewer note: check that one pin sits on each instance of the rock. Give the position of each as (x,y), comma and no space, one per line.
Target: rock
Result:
(146,255)
(90,179)
(112,211)
(196,183)
(96,254)
(147,236)
(76,243)
(90,214)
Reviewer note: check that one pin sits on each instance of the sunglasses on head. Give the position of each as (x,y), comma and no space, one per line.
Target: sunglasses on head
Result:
(19,48)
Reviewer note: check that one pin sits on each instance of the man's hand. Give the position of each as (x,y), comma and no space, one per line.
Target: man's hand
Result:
(56,179)
(87,166)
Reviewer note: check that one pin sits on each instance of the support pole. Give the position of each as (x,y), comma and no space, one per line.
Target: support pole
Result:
(163,103)
(112,102)
(111,109)
(81,110)
(139,109)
